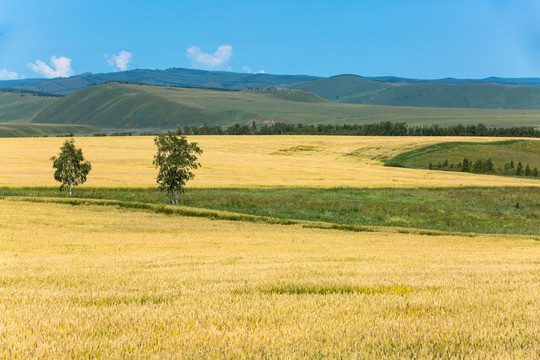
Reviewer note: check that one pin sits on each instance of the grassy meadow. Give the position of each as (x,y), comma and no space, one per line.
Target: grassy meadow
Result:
(501,152)
(492,210)
(101,282)
(22,107)
(283,247)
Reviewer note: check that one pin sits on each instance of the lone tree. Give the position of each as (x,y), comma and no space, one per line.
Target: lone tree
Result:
(71,168)
(175,159)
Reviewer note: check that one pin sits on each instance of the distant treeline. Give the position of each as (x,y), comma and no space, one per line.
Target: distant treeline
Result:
(379,129)
(23,92)
(124,82)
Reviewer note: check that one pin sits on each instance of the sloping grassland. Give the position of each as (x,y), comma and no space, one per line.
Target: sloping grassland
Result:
(22,107)
(136,106)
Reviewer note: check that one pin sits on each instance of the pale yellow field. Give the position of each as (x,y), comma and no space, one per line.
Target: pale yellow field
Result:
(244,161)
(97,282)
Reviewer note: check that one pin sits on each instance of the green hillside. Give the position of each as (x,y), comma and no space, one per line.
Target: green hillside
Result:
(356,90)
(351,89)
(136,106)
(463,96)
(171,77)
(340,88)
(22,107)
(30,130)
(500,152)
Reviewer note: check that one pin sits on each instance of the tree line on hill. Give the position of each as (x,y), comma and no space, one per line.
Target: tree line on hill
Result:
(24,92)
(386,128)
(486,167)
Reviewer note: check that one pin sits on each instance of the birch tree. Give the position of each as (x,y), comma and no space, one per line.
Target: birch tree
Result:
(175,158)
(71,167)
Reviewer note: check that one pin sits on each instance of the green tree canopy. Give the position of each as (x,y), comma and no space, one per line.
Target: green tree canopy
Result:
(466,167)
(519,170)
(71,167)
(478,167)
(175,158)
(489,167)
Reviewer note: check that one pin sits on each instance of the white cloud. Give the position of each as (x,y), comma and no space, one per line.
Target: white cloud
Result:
(61,65)
(248,70)
(120,61)
(8,75)
(217,61)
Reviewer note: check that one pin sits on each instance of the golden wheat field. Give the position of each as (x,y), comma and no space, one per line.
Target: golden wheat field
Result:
(229,161)
(99,282)
(90,279)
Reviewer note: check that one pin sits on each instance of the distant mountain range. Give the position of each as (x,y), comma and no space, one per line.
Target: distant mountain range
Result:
(171,77)
(241,81)
(187,97)
(453,81)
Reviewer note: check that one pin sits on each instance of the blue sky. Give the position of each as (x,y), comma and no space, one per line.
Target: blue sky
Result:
(415,38)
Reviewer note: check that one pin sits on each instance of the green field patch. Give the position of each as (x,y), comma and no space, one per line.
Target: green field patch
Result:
(435,211)
(297,149)
(450,156)
(106,300)
(354,228)
(324,289)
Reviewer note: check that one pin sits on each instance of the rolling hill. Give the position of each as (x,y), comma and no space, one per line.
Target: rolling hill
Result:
(489,93)
(18,106)
(33,130)
(353,89)
(170,77)
(482,96)
(115,106)
(339,88)
(493,92)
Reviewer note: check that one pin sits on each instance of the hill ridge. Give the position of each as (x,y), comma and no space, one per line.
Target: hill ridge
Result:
(135,106)
(344,88)
(223,79)
(168,77)
(353,89)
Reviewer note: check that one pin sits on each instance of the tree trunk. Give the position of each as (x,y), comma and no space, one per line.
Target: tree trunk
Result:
(177,194)
(69,176)
(172,196)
